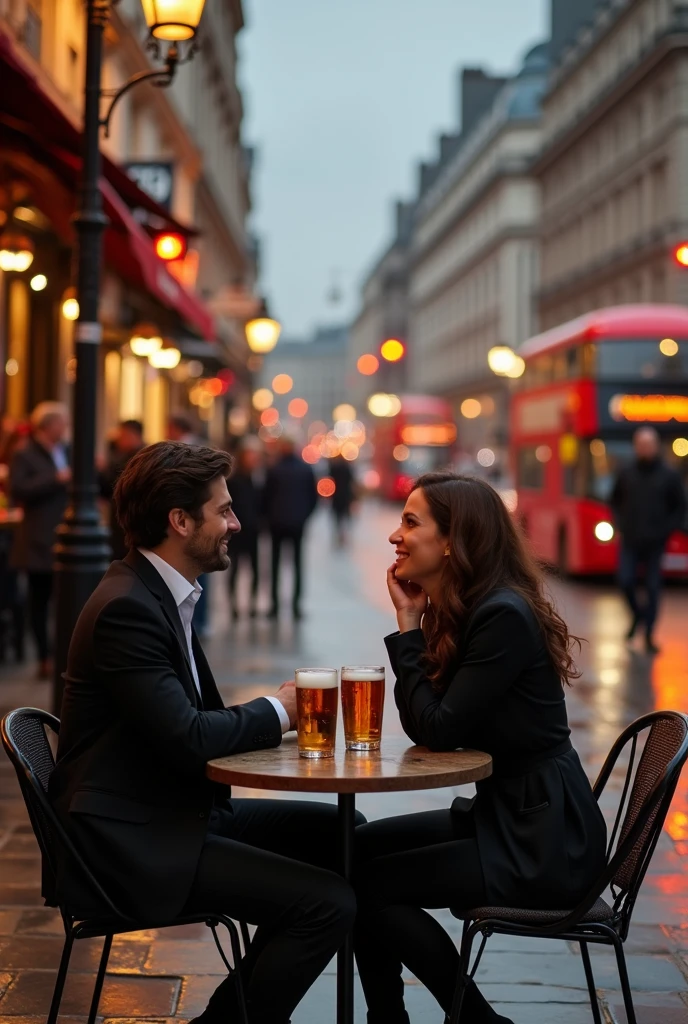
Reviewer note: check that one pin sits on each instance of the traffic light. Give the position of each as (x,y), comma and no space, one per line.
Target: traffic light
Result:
(681,254)
(170,245)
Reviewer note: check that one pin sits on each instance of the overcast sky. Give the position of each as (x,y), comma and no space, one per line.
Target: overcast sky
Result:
(343,97)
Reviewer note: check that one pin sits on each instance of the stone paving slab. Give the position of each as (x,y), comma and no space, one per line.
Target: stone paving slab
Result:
(123,995)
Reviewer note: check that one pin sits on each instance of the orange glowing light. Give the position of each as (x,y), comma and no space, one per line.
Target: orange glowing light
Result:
(649,408)
(681,254)
(421,434)
(269,417)
(392,350)
(298,407)
(215,386)
(368,364)
(311,454)
(170,246)
(282,384)
(326,487)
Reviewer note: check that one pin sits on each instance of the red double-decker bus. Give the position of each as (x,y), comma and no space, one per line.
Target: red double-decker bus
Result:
(419,438)
(587,386)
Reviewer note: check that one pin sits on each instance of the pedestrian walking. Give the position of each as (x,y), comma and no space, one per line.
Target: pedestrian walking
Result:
(649,503)
(127,442)
(343,497)
(180,428)
(246,489)
(290,499)
(39,475)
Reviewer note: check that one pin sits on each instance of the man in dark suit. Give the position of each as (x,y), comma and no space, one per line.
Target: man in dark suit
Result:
(290,499)
(39,475)
(141,716)
(128,442)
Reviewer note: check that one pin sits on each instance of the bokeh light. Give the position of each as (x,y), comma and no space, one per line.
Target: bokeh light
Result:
(400,452)
(471,408)
(486,457)
(668,347)
(680,447)
(344,412)
(282,384)
(384,405)
(269,417)
(368,364)
(326,487)
(543,453)
(263,399)
(392,350)
(349,451)
(371,479)
(298,407)
(311,454)
(598,448)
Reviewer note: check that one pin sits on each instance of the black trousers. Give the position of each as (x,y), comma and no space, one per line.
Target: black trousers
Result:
(405,867)
(630,561)
(295,538)
(244,547)
(40,592)
(273,863)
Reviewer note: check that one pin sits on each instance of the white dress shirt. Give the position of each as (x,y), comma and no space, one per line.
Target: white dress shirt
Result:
(185,596)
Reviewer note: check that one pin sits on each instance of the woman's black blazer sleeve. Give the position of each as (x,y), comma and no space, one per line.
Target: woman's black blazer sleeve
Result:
(499,643)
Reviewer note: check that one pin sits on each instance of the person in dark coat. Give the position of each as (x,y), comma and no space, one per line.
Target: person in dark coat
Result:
(247,495)
(39,475)
(649,503)
(343,497)
(480,660)
(141,716)
(128,442)
(290,498)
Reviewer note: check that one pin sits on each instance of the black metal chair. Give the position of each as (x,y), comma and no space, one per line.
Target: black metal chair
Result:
(647,793)
(25,739)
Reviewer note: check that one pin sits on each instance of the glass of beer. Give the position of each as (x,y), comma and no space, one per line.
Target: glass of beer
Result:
(317,696)
(363,697)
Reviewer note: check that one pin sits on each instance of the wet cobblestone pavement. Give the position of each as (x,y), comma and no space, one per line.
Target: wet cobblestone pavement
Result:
(169,975)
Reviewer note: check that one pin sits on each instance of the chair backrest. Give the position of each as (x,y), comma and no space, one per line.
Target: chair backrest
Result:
(649,785)
(26,742)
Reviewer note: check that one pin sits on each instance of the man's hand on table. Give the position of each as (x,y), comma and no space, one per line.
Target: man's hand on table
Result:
(286,695)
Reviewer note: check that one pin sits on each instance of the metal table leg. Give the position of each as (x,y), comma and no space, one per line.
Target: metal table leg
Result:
(345,957)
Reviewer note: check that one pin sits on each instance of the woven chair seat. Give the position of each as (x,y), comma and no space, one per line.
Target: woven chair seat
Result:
(600,911)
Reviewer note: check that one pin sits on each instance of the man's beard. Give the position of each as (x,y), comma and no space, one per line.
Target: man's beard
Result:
(209,557)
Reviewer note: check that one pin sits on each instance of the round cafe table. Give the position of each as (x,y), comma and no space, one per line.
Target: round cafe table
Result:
(396,767)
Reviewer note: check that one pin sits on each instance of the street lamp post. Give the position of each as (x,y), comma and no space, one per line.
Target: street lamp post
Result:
(82,552)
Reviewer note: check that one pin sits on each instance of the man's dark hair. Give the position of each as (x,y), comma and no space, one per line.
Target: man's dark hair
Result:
(163,476)
(134,425)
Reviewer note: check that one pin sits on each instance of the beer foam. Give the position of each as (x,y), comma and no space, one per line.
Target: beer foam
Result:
(362,675)
(316,678)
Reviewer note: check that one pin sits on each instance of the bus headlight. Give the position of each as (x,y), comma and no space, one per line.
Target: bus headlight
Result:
(604,531)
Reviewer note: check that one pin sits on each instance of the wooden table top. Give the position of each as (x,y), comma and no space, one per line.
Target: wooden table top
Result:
(396,767)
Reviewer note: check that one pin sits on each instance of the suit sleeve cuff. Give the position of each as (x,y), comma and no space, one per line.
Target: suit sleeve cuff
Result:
(282,714)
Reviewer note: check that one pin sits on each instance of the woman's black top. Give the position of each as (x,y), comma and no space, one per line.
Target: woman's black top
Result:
(539,829)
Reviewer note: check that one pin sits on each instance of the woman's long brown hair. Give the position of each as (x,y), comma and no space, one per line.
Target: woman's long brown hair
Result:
(486,551)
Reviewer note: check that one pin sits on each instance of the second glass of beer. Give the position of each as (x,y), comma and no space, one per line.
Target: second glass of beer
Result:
(363,697)
(317,696)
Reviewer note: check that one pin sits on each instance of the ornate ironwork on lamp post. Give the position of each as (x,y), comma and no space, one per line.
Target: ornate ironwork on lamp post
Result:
(82,552)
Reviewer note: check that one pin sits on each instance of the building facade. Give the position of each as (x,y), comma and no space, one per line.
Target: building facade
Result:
(173,161)
(474,260)
(613,168)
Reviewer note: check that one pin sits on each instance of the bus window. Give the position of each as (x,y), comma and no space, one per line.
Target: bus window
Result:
(531,472)
(641,360)
(588,355)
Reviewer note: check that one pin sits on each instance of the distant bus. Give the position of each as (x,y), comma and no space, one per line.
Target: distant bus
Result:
(418,439)
(587,386)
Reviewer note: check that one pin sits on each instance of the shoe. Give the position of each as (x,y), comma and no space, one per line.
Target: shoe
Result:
(235,615)
(650,646)
(253,613)
(476,1009)
(297,613)
(273,613)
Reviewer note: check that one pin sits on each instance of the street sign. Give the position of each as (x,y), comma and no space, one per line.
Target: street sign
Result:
(154,178)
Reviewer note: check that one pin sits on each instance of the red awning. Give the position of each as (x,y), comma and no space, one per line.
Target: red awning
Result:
(132,252)
(27,112)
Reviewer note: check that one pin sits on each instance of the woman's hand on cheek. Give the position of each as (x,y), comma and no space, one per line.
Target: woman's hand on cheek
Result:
(409,600)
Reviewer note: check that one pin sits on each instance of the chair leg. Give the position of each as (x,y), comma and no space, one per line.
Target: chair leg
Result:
(594,1003)
(625,983)
(469,933)
(233,971)
(61,978)
(100,978)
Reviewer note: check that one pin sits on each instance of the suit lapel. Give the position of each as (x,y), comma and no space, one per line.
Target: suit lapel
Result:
(157,586)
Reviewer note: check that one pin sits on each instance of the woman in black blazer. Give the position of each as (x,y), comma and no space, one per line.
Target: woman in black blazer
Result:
(480,660)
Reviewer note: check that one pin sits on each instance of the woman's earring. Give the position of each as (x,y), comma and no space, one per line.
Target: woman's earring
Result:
(446,553)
